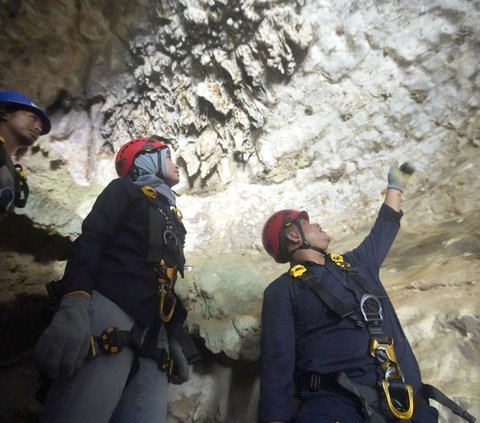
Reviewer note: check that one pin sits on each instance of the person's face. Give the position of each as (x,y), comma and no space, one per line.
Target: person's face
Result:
(24,126)
(172,171)
(314,234)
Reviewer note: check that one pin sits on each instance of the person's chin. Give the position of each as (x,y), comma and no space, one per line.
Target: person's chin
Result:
(172,182)
(28,141)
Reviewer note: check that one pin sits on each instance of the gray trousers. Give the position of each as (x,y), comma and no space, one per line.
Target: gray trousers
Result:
(98,393)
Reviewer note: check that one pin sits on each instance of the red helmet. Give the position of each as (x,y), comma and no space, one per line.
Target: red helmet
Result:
(272,229)
(127,153)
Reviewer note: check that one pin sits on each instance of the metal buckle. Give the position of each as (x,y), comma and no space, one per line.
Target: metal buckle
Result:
(170,238)
(371,317)
(110,342)
(383,351)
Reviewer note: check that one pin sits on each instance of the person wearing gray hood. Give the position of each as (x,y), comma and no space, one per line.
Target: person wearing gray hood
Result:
(117,339)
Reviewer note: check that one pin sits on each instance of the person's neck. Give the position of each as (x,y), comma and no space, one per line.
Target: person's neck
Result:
(10,147)
(309,255)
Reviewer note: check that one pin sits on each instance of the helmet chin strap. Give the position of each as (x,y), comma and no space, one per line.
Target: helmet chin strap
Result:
(305,244)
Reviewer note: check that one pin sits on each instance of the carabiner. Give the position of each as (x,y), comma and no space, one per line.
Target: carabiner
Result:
(406,410)
(165,317)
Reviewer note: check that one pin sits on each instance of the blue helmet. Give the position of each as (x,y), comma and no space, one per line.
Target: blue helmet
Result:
(16,99)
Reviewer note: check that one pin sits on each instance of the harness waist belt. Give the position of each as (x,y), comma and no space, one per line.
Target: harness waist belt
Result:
(313,382)
(112,340)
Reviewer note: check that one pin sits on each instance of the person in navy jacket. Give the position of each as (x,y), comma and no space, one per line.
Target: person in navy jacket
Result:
(310,352)
(112,348)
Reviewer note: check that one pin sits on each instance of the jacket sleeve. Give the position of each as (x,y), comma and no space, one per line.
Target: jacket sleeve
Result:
(98,228)
(375,247)
(277,355)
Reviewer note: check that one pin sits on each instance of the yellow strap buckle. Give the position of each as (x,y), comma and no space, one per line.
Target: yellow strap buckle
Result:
(149,192)
(339,261)
(399,410)
(297,270)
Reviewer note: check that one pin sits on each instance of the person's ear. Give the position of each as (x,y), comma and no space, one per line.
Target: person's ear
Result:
(3,114)
(293,237)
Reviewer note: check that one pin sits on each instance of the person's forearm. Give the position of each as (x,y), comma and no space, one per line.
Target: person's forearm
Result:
(393,199)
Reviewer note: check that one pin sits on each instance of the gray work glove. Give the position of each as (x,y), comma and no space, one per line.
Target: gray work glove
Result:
(64,345)
(181,368)
(398,176)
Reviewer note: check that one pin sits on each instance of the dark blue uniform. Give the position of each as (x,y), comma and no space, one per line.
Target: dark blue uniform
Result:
(300,333)
(110,255)
(8,183)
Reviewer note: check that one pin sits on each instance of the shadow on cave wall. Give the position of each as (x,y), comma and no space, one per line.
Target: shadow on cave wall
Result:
(18,234)
(24,319)
(21,323)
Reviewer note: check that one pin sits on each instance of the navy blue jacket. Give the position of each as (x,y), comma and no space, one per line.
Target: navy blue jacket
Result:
(299,332)
(110,255)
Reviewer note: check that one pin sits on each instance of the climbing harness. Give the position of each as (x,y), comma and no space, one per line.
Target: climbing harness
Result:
(112,341)
(21,187)
(396,393)
(165,252)
(13,184)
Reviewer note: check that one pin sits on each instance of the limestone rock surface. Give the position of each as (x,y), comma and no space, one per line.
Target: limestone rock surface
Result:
(269,105)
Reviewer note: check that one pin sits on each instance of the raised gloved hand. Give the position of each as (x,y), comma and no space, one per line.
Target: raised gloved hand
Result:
(181,368)
(63,346)
(398,177)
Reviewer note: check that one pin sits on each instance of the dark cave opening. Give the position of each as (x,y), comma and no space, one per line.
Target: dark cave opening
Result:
(18,233)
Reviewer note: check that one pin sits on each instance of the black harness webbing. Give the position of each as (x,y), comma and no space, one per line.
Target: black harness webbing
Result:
(166,234)
(113,340)
(332,302)
(366,394)
(336,305)
(431,392)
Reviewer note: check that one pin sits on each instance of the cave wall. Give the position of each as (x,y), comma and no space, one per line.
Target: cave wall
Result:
(269,104)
